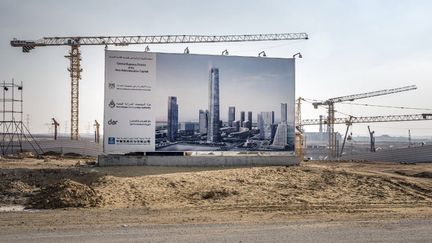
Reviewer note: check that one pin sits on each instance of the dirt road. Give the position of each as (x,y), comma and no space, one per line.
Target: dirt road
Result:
(407,230)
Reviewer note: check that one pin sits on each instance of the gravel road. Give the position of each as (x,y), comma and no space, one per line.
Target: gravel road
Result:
(406,230)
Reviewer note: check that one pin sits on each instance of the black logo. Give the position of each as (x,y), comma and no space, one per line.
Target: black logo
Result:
(111,104)
(112,122)
(111,140)
(111,85)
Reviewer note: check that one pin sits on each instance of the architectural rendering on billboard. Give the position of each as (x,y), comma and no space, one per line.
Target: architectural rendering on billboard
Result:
(184,102)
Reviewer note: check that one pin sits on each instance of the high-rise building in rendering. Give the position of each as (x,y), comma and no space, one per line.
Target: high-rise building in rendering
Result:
(203,121)
(265,124)
(231,115)
(236,124)
(250,120)
(284,117)
(242,118)
(213,133)
(259,121)
(172,118)
(272,117)
(281,136)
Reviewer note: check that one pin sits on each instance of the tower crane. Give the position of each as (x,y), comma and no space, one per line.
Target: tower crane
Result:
(368,119)
(330,103)
(74,42)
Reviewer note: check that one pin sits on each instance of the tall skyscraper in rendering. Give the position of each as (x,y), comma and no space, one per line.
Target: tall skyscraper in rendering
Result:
(284,117)
(242,118)
(272,117)
(250,120)
(172,118)
(203,121)
(265,124)
(213,133)
(231,115)
(281,136)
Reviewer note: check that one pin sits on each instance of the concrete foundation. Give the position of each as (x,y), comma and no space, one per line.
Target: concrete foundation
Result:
(187,160)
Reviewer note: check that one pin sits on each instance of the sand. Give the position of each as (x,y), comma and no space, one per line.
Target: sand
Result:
(174,194)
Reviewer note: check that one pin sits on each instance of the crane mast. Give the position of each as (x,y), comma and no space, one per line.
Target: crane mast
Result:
(75,55)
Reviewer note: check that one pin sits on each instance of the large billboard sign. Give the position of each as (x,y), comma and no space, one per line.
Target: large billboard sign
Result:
(184,102)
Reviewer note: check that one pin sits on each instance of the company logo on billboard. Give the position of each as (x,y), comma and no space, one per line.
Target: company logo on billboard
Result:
(112,104)
(111,85)
(131,141)
(111,140)
(112,122)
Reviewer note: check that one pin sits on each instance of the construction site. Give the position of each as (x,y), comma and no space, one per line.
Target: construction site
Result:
(341,159)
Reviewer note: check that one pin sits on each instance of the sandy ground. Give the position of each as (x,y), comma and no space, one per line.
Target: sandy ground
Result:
(73,193)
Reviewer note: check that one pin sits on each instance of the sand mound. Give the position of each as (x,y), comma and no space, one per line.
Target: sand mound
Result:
(66,193)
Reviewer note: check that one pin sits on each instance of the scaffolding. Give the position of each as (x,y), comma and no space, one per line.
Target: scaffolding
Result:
(13,132)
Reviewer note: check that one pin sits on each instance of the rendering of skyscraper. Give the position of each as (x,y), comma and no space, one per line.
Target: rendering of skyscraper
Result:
(203,121)
(242,118)
(284,116)
(250,120)
(272,117)
(281,137)
(236,124)
(172,118)
(265,124)
(213,134)
(231,115)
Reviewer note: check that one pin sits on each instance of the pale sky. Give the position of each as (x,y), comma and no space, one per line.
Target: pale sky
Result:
(355,46)
(248,84)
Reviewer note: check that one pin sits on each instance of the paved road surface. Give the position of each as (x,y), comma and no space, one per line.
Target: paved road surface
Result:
(408,230)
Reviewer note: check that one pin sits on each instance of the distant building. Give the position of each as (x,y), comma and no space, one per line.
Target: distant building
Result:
(259,121)
(231,115)
(265,124)
(242,118)
(213,133)
(203,121)
(187,128)
(272,117)
(284,116)
(247,125)
(237,125)
(281,136)
(250,120)
(172,118)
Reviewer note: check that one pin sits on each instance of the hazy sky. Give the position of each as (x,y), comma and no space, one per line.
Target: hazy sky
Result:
(354,46)
(249,84)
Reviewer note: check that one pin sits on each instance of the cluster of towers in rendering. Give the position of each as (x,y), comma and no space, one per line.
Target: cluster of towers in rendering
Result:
(212,126)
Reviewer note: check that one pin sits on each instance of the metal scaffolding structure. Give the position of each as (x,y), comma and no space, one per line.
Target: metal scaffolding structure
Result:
(13,132)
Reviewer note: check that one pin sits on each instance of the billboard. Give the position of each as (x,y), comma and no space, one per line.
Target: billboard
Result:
(184,102)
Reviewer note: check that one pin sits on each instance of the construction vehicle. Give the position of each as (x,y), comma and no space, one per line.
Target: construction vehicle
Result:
(74,42)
